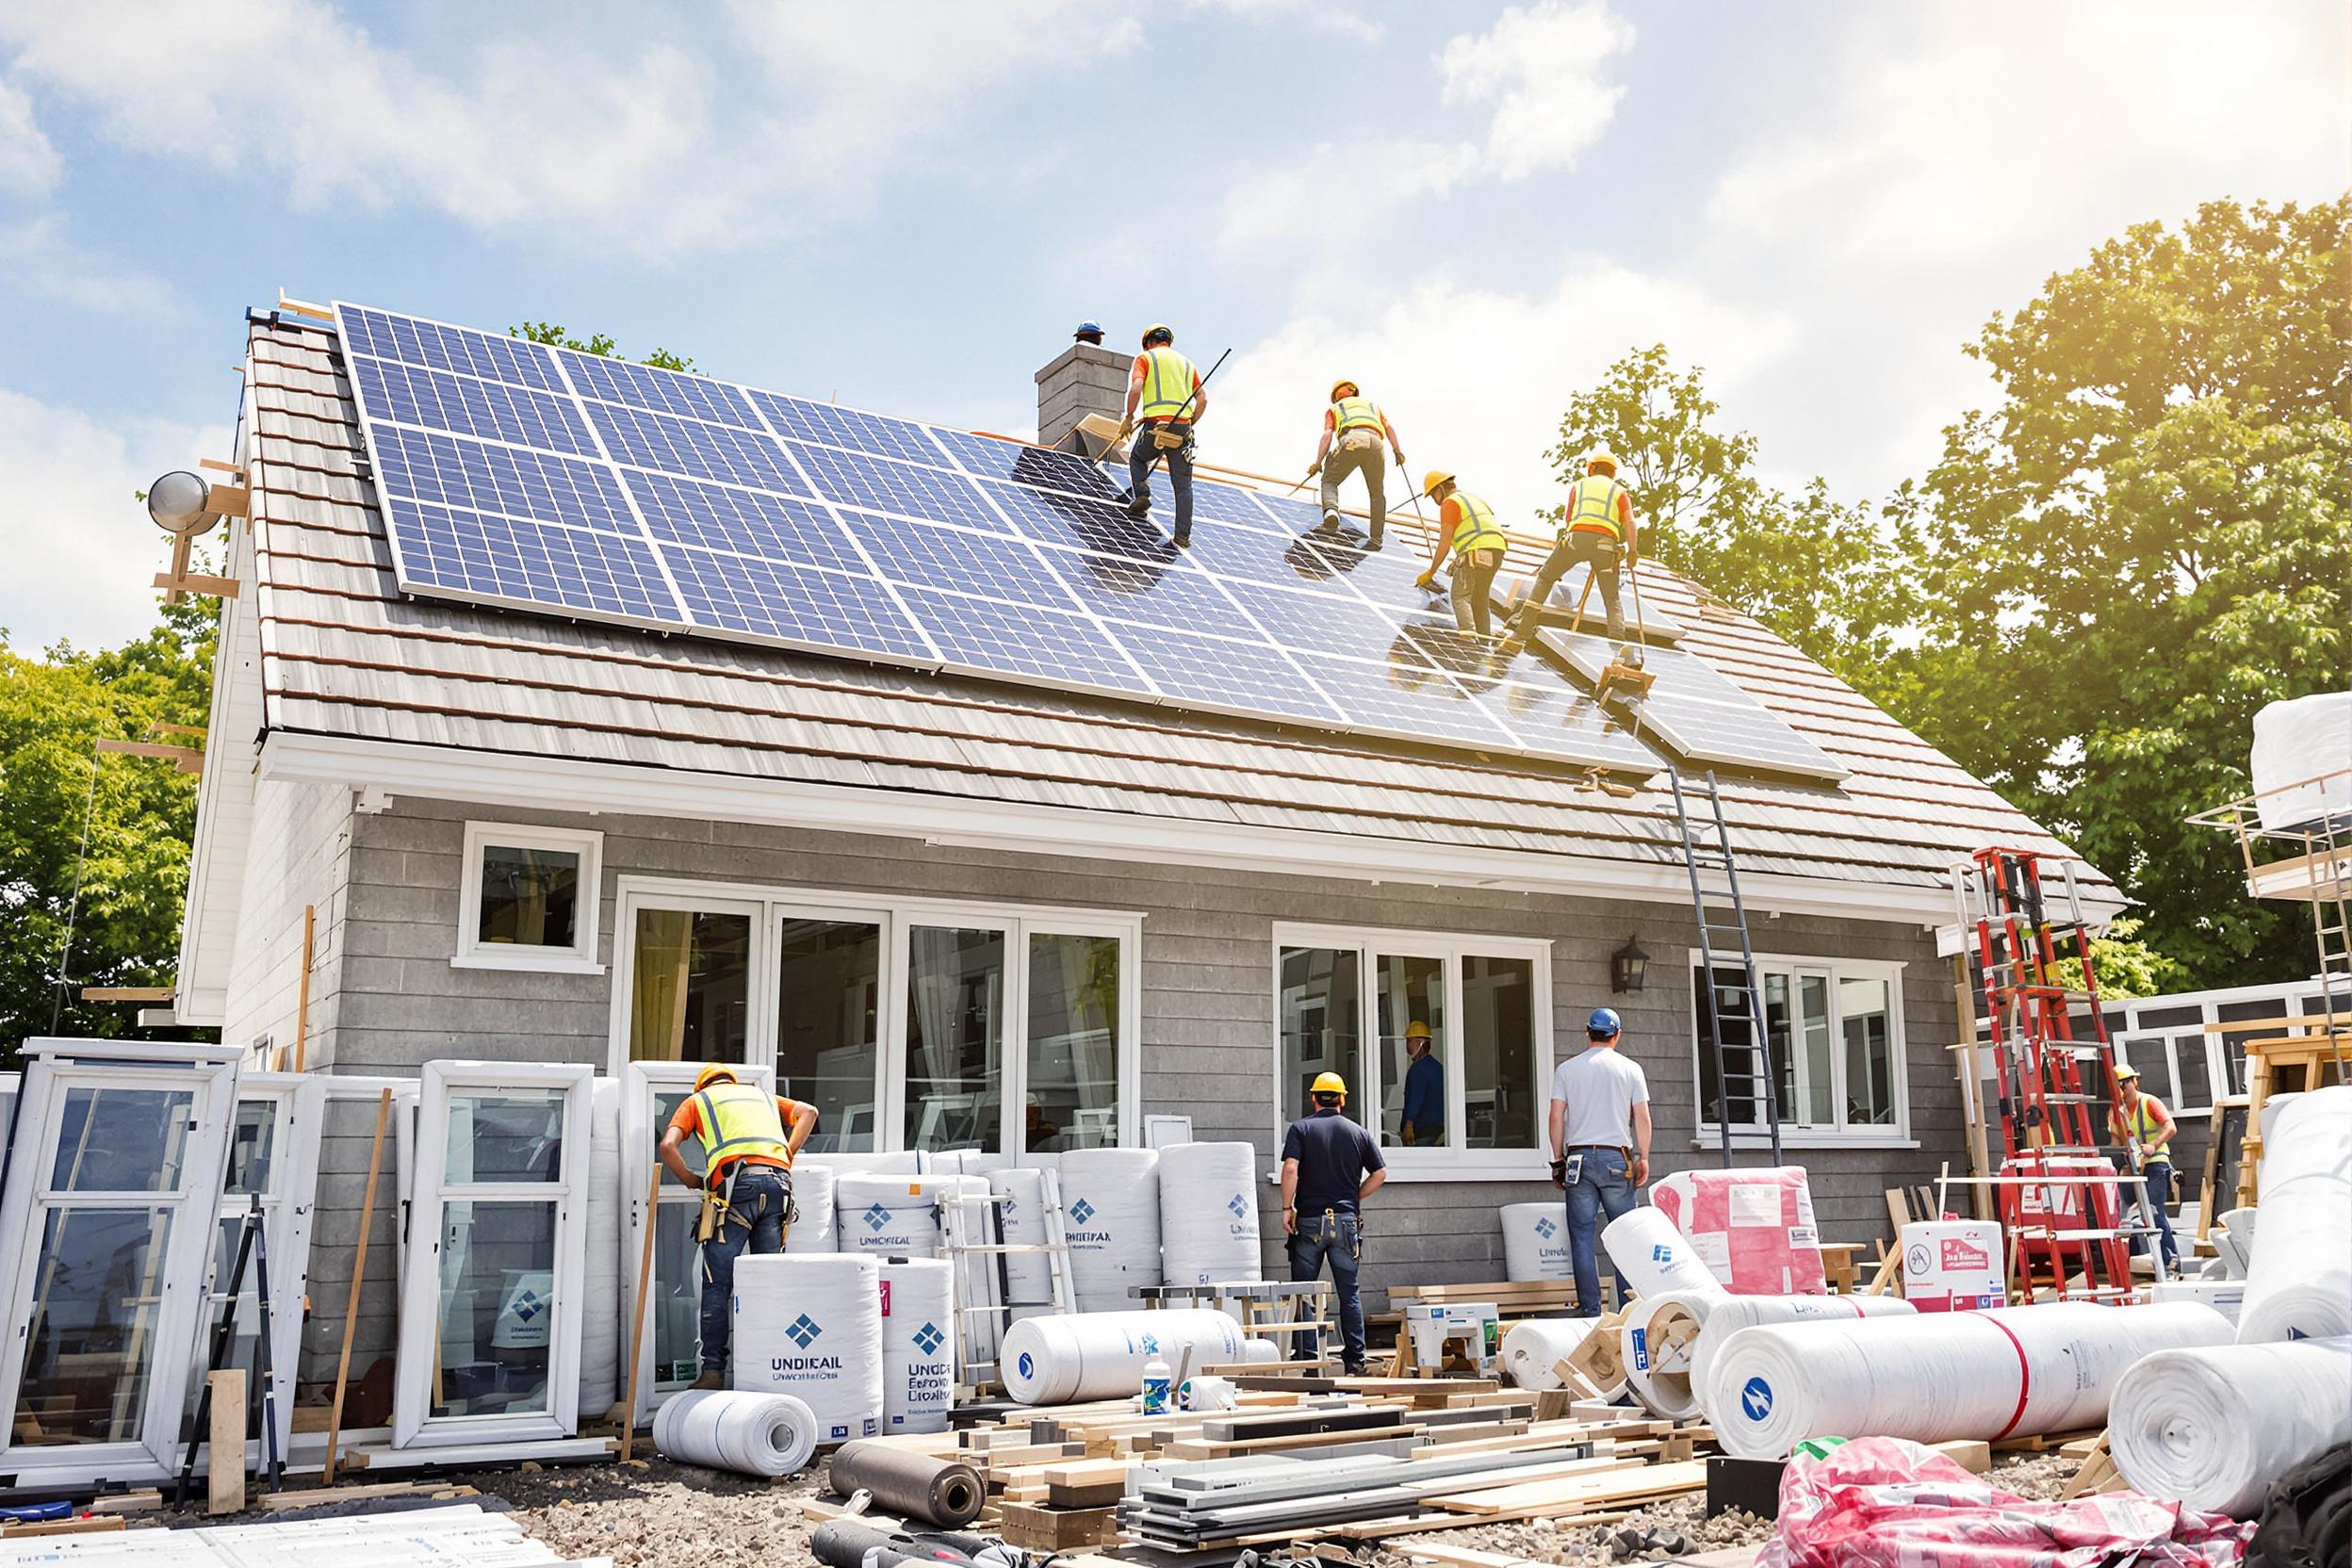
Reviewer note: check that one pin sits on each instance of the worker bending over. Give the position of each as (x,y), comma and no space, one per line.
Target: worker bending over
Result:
(1163,400)
(1354,430)
(749,1140)
(1598,530)
(1329,1167)
(2141,1123)
(1600,1131)
(1466,527)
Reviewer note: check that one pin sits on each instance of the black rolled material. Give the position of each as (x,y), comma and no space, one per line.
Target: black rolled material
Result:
(946,1492)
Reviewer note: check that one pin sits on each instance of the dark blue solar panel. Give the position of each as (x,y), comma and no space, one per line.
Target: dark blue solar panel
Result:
(942,557)
(778,600)
(438,400)
(1059,519)
(412,341)
(1265,558)
(911,490)
(1562,720)
(616,380)
(531,563)
(1700,713)
(1409,699)
(1043,645)
(1169,594)
(644,439)
(1215,502)
(1027,465)
(1194,670)
(749,522)
(474,476)
(1324,623)
(1292,514)
(802,420)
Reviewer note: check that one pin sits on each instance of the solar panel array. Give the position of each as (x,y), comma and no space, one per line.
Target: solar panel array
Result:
(1700,714)
(538,478)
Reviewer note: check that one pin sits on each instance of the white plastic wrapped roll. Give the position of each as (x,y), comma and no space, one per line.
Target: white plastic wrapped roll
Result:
(2299,1285)
(2297,761)
(1111,1218)
(1535,1242)
(1532,1349)
(1732,1313)
(1655,1257)
(1020,1218)
(813,1194)
(895,1216)
(2226,1297)
(1934,1377)
(1209,1214)
(600,1301)
(1658,1340)
(812,1327)
(1102,1355)
(2214,1427)
(918,1345)
(900,1162)
(760,1434)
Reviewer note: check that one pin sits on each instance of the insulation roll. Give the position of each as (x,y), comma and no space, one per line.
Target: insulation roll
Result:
(1732,1313)
(760,1434)
(2214,1427)
(2299,1284)
(818,1226)
(1260,1352)
(901,1162)
(2297,759)
(964,1162)
(918,1345)
(1111,1218)
(811,1326)
(600,1298)
(1021,1219)
(1659,1342)
(1535,1242)
(1935,1377)
(1655,1257)
(2226,1297)
(1209,1214)
(943,1492)
(895,1216)
(1532,1349)
(1102,1355)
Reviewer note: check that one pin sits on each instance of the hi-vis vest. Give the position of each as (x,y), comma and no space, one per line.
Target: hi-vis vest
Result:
(2142,1121)
(1167,385)
(1355,414)
(1476,529)
(1593,507)
(740,1119)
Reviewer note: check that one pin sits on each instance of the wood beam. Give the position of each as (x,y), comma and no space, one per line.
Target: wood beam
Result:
(183,758)
(127,993)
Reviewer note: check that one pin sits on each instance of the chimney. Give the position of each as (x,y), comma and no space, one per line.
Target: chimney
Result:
(1084,378)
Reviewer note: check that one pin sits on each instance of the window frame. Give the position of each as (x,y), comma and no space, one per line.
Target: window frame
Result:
(1804,1134)
(1454,1162)
(578,959)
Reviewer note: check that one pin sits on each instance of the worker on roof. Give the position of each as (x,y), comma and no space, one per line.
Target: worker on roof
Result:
(1355,424)
(749,1138)
(2140,1122)
(1164,404)
(1088,332)
(1595,528)
(1329,1167)
(1466,528)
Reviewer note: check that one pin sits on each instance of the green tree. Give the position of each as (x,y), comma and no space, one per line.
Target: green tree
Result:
(599,344)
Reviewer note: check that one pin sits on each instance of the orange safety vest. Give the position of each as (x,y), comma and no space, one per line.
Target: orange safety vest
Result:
(1592,506)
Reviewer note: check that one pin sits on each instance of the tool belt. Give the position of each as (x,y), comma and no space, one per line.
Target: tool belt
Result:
(1357,440)
(1167,438)
(1480,558)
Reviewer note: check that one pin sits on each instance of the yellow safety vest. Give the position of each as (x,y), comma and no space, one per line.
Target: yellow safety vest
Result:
(1355,414)
(1476,529)
(740,1119)
(1593,506)
(2142,1122)
(1167,386)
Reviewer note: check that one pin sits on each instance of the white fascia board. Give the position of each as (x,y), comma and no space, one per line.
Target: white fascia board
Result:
(452,773)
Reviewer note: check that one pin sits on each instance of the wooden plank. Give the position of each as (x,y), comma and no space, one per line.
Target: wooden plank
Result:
(128,993)
(359,1275)
(1971,1454)
(1567,1494)
(1054,1529)
(1423,1524)
(145,1501)
(84,1526)
(225,1477)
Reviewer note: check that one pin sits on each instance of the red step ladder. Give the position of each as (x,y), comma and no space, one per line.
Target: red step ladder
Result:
(2059,1198)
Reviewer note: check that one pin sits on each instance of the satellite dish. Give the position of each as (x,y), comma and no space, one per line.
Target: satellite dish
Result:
(180,502)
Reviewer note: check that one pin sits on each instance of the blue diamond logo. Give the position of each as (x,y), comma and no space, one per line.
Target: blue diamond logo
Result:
(1151,1344)
(804,1330)
(876,1218)
(1082,1211)
(527,1306)
(1545,1229)
(928,1338)
(1235,1203)
(1660,1253)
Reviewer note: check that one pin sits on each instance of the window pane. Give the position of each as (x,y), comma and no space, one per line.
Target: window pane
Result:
(1821,1090)
(690,987)
(1321,1008)
(252,1146)
(122,1139)
(1073,1042)
(674,1295)
(1862,1012)
(829,998)
(955,1038)
(1499,1089)
(505,1135)
(2189,1073)
(530,897)
(1741,1068)
(98,1292)
(498,1307)
(2167,1018)
(1405,991)
(1777,1031)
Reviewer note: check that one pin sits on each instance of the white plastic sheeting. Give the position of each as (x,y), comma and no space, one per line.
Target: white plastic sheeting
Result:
(895,1216)
(2299,1285)
(2301,747)
(813,1194)
(1111,1217)
(812,1327)
(1102,1355)
(1535,1242)
(1728,1316)
(1654,1256)
(759,1434)
(1208,1213)
(2214,1427)
(918,1345)
(1531,1349)
(1935,1377)
(601,1298)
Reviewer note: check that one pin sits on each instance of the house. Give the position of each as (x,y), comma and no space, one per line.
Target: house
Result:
(958,912)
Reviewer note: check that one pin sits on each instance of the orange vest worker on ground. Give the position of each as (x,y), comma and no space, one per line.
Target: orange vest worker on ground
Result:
(751,1138)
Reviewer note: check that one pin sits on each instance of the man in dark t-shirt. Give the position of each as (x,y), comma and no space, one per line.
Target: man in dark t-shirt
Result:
(1329,1167)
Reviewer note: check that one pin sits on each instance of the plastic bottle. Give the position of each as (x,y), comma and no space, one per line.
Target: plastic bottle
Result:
(1156,1374)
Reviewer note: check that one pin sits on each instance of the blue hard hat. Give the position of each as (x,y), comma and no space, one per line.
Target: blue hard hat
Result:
(1089,326)
(1604,1022)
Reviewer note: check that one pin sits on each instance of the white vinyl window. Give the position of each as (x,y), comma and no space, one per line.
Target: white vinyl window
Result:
(528,898)
(909,1023)
(1834,1035)
(1360,1002)
(273,1155)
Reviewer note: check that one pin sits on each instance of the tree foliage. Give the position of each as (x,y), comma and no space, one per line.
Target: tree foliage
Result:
(601,344)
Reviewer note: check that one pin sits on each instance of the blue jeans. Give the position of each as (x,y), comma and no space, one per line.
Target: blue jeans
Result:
(1600,1188)
(1339,1238)
(753,1220)
(1144,452)
(2157,1176)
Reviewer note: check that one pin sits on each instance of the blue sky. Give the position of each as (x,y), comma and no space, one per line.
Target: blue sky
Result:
(1471,209)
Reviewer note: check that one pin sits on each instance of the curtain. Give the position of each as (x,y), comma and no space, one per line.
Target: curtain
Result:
(657,1015)
(934,981)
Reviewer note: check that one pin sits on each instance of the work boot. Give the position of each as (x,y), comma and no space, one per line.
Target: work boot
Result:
(709,1383)
(1139,507)
(1183,541)
(1372,542)
(1330,523)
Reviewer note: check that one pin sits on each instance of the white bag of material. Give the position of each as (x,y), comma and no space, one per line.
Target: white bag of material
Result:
(1954,1266)
(1209,1214)
(2226,1297)
(1102,1355)
(1535,1242)
(2302,749)
(1655,1257)
(1935,1377)
(1732,1313)
(1111,1218)
(2299,1285)
(759,1434)
(1532,1348)
(918,1345)
(2214,1428)
(889,1215)
(964,1162)
(812,1327)
(1021,1219)
(600,1298)
(813,1194)
(1659,1342)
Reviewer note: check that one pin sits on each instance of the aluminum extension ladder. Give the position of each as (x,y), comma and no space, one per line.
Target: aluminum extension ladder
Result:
(972,1240)
(1735,1018)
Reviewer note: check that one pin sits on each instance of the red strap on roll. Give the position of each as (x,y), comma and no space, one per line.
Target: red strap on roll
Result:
(2025,1378)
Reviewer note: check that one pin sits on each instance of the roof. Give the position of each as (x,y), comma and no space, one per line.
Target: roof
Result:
(345,654)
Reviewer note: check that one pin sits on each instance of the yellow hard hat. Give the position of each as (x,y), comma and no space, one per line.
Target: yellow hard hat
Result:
(1351,386)
(2127,1071)
(1416,1027)
(1160,330)
(715,1073)
(1435,477)
(1329,1083)
(1599,457)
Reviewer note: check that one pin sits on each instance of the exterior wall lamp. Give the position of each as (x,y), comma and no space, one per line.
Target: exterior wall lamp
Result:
(1627,967)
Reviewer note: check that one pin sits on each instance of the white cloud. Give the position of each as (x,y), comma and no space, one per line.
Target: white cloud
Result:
(1547,69)
(41,261)
(82,553)
(1317,14)
(28,164)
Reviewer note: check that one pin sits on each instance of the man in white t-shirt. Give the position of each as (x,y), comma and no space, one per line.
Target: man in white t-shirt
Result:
(1600,1129)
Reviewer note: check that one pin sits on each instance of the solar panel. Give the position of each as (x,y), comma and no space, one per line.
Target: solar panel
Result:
(1569,592)
(1699,713)
(547,479)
